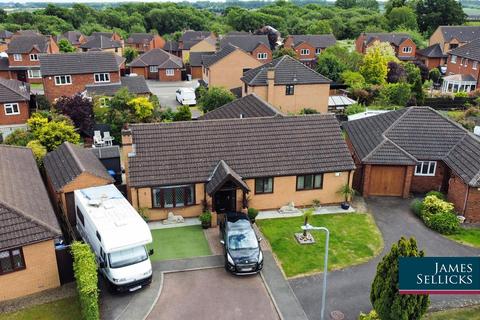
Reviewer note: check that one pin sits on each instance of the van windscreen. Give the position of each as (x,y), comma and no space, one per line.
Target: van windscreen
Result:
(123,258)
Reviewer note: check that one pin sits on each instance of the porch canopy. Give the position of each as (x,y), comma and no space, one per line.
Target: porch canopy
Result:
(223,174)
(459,83)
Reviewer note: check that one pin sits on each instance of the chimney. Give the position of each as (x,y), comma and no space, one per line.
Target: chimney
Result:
(270,85)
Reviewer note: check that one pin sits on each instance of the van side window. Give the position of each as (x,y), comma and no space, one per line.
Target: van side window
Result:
(102,254)
(99,237)
(80,216)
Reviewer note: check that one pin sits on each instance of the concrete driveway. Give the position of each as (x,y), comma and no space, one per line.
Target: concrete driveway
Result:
(213,294)
(165,91)
(349,289)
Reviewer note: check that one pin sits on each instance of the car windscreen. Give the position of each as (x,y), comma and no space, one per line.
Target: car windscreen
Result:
(242,239)
(127,257)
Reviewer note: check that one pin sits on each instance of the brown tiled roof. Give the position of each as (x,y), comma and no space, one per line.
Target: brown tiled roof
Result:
(187,152)
(247,43)
(25,43)
(391,37)
(78,63)
(13,91)
(316,40)
(157,57)
(221,174)
(26,214)
(68,161)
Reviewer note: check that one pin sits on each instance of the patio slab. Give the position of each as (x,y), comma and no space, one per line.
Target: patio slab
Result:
(322,210)
(154,225)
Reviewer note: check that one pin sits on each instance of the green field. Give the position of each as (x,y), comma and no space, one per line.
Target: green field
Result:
(68,308)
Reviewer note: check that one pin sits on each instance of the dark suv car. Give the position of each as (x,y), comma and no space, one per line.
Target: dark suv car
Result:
(242,250)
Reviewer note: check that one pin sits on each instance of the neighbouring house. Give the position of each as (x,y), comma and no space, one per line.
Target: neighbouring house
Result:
(69,74)
(257,46)
(5,68)
(171,46)
(309,46)
(209,44)
(157,64)
(110,35)
(109,156)
(196,63)
(402,43)
(250,106)
(416,150)
(289,85)
(24,56)
(15,110)
(462,68)
(76,38)
(134,84)
(451,37)
(190,38)
(144,42)
(230,164)
(28,227)
(69,168)
(5,37)
(102,43)
(432,56)
(225,67)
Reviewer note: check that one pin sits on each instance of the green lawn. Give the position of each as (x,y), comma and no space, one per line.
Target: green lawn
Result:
(472,313)
(467,236)
(178,243)
(354,238)
(67,308)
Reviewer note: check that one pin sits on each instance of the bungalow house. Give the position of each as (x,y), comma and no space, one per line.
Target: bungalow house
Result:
(196,63)
(250,106)
(69,168)
(308,47)
(171,46)
(190,38)
(257,46)
(24,56)
(416,150)
(230,164)
(15,110)
(76,38)
(69,74)
(102,43)
(144,42)
(225,67)
(289,85)
(402,43)
(432,56)
(134,84)
(462,68)
(157,64)
(28,227)
(451,37)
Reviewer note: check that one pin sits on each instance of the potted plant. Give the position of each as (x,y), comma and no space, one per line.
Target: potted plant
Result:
(252,214)
(206,219)
(346,191)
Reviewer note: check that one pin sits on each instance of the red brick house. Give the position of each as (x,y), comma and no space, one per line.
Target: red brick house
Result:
(416,150)
(402,43)
(24,51)
(462,68)
(144,42)
(69,74)
(158,64)
(257,46)
(309,46)
(14,112)
(432,56)
(76,38)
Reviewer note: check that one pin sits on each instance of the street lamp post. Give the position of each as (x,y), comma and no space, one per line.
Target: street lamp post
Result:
(325,264)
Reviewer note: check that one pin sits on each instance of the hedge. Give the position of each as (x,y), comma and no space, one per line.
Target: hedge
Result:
(85,270)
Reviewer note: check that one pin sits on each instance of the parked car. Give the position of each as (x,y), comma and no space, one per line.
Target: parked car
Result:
(186,96)
(242,250)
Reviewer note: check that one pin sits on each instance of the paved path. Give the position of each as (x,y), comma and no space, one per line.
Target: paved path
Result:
(348,289)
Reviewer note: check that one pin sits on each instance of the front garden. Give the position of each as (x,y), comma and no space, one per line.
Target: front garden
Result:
(354,238)
(68,308)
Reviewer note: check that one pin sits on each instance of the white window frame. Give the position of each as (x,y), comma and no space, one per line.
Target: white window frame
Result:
(32,76)
(153,69)
(429,164)
(304,52)
(11,106)
(453,59)
(318,50)
(101,77)
(407,49)
(17,57)
(66,77)
(33,57)
(169,72)
(262,55)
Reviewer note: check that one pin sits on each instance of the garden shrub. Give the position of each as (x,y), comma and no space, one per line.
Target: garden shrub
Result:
(85,270)
(444,222)
(252,213)
(354,109)
(417,207)
(372,315)
(437,194)
(436,213)
(434,205)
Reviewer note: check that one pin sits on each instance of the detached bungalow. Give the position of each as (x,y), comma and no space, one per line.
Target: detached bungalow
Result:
(158,64)
(28,227)
(230,164)
(15,110)
(416,150)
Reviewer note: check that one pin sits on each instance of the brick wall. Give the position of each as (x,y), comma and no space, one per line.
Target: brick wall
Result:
(17,118)
(357,183)
(457,192)
(405,44)
(25,60)
(262,49)
(79,81)
(466,68)
(310,56)
(162,76)
(472,212)
(423,184)
(359,47)
(5,74)
(41,272)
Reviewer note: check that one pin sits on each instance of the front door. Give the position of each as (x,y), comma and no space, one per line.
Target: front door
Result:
(225,201)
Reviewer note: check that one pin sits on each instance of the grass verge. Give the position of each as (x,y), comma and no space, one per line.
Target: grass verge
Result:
(467,236)
(469,313)
(68,308)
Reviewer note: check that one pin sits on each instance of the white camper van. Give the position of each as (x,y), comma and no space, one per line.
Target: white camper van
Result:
(117,235)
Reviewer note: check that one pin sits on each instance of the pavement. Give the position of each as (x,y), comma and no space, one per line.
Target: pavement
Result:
(349,289)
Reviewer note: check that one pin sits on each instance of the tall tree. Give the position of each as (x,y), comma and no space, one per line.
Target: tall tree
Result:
(65,46)
(433,13)
(345,4)
(330,66)
(215,97)
(384,296)
(402,17)
(374,67)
